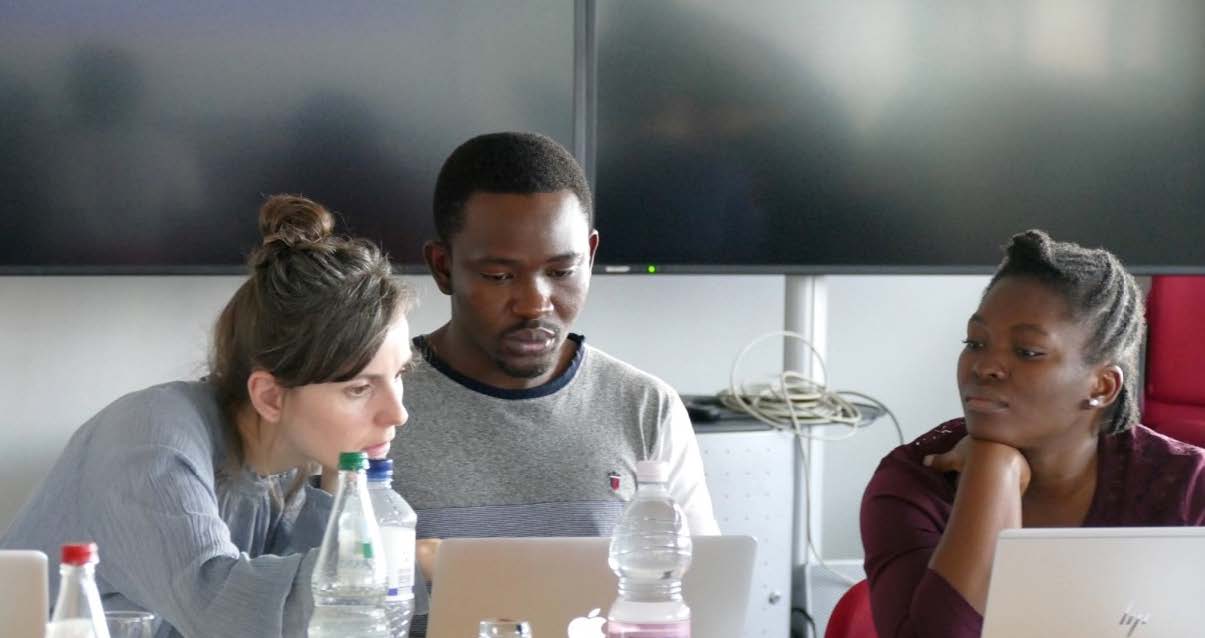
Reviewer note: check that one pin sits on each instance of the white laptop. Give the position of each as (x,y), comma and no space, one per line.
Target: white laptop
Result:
(1141,582)
(552,582)
(23,597)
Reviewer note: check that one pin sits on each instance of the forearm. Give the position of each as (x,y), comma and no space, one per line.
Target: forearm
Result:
(988,501)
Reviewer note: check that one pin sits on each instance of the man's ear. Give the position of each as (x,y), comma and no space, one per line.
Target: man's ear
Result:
(267,395)
(1107,385)
(438,256)
(593,247)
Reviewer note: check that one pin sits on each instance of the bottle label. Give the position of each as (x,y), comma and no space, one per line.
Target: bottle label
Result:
(399,561)
(620,629)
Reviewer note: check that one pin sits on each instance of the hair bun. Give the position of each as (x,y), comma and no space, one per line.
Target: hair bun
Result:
(1033,245)
(294,220)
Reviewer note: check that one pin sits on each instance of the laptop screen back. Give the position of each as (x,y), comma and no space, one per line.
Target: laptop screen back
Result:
(23,595)
(1098,583)
(551,581)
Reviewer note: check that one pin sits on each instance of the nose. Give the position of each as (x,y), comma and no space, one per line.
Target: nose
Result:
(986,366)
(392,411)
(533,299)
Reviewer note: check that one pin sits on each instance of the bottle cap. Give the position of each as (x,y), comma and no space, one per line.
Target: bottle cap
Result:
(380,469)
(652,471)
(78,554)
(353,461)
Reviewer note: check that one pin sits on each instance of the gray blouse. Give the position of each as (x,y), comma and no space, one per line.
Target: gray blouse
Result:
(209,551)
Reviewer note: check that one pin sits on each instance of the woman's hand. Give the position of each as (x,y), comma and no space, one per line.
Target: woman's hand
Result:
(330,480)
(970,450)
(425,551)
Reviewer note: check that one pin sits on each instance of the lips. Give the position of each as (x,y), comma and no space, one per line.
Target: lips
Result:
(982,403)
(377,451)
(529,341)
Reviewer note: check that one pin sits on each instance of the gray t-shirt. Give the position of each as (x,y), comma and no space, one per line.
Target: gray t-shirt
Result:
(555,460)
(211,552)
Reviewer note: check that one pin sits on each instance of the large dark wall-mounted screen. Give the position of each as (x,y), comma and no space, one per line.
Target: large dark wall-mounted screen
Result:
(142,137)
(903,136)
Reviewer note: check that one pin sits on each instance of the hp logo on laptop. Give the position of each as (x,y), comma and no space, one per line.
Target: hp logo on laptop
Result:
(1132,620)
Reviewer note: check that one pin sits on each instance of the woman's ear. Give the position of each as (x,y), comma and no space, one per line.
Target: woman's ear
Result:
(267,395)
(1107,385)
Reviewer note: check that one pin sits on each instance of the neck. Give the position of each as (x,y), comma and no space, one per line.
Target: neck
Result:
(1062,468)
(259,452)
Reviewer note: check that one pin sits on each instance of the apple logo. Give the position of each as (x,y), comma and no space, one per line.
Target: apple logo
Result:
(590,626)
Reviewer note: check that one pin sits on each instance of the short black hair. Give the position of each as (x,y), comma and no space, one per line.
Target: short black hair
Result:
(1099,292)
(508,162)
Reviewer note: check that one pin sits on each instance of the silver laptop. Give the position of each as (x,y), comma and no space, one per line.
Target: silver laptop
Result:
(552,582)
(23,602)
(1142,582)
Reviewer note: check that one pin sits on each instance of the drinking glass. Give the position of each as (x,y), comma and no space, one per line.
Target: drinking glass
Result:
(130,624)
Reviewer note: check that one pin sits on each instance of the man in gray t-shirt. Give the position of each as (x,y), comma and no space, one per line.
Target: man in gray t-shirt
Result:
(518,427)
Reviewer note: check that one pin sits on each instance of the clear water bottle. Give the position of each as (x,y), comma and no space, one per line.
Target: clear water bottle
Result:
(349,578)
(650,552)
(397,521)
(77,611)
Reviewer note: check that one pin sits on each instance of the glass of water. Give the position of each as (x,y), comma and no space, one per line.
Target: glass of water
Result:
(502,628)
(130,624)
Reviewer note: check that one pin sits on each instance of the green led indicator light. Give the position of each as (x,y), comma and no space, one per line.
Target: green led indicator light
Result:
(652,269)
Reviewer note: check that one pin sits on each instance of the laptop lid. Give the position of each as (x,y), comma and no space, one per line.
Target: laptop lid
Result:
(551,582)
(1142,582)
(23,595)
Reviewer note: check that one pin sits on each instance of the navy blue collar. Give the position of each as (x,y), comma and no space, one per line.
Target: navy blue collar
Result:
(553,385)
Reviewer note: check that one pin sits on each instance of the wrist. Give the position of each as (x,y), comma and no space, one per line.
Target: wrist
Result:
(1002,459)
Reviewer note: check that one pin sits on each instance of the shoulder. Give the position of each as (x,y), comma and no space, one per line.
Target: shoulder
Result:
(183,416)
(1153,446)
(1141,449)
(902,472)
(598,367)
(1152,478)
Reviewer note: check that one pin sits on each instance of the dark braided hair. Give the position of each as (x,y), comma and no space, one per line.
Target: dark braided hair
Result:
(510,162)
(1099,292)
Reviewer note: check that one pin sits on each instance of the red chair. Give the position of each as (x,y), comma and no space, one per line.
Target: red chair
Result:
(851,617)
(1174,389)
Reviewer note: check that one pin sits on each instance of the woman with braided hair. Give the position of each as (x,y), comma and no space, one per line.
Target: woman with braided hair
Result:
(198,493)
(1050,438)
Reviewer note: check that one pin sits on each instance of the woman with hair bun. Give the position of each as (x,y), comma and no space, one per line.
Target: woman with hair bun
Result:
(197,493)
(1050,438)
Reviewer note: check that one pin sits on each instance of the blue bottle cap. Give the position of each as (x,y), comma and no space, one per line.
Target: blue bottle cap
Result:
(380,469)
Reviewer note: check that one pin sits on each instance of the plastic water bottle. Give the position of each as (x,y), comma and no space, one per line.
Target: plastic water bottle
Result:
(349,578)
(650,552)
(397,521)
(77,611)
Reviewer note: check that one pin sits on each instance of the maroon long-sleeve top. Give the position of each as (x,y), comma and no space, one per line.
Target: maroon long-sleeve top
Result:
(1143,479)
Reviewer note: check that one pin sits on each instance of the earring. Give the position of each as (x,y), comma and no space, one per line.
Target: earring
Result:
(1094,402)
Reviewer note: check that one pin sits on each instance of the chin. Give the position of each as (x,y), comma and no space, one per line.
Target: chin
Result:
(985,428)
(526,369)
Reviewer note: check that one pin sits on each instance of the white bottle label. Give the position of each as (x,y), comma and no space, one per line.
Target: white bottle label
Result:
(399,561)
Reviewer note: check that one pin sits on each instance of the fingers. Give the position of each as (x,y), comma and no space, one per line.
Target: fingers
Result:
(945,462)
(425,552)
